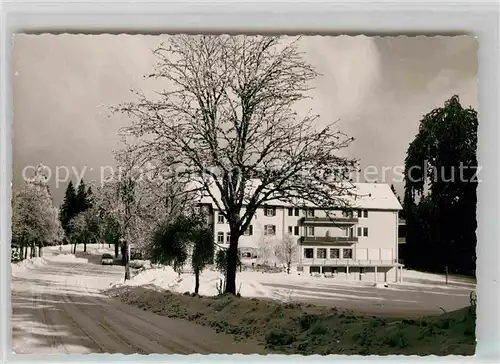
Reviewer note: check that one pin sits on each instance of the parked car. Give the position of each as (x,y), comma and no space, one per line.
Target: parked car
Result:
(135,254)
(107,259)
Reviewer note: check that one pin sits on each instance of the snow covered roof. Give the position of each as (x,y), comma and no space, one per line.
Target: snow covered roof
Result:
(370,196)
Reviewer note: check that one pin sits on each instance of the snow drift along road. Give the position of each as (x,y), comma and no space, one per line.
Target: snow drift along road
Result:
(166,278)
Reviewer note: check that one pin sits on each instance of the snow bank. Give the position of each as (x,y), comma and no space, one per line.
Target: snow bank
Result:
(100,250)
(413,274)
(70,258)
(26,264)
(166,278)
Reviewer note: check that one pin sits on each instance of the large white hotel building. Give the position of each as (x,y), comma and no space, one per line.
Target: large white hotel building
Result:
(362,246)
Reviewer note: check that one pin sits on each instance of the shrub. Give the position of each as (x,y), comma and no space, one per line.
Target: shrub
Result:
(307,320)
(279,337)
(319,329)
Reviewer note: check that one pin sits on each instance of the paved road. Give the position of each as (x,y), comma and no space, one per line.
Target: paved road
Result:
(57,308)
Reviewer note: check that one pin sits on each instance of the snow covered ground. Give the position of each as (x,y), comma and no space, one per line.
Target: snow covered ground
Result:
(166,278)
(419,293)
(58,308)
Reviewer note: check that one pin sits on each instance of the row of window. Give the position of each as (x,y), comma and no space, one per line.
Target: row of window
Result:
(271,211)
(220,235)
(321,253)
(360,214)
(294,230)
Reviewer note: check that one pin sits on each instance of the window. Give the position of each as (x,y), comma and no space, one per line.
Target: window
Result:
(269,229)
(249,230)
(228,238)
(290,230)
(220,218)
(362,231)
(351,232)
(362,270)
(270,211)
(334,253)
(310,231)
(296,212)
(246,255)
(220,238)
(321,253)
(365,214)
(360,212)
(348,214)
(347,253)
(308,253)
(290,211)
(310,212)
(296,230)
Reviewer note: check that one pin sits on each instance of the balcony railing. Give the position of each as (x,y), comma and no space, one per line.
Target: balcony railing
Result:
(328,221)
(402,240)
(348,262)
(328,239)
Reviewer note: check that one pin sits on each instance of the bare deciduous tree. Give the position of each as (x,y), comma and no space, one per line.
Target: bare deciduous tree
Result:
(286,251)
(228,120)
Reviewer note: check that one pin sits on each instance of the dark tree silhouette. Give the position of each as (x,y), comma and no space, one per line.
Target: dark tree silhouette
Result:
(441,222)
(68,208)
(185,238)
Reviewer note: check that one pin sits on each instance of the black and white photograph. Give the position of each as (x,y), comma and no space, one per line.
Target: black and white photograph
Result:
(244,194)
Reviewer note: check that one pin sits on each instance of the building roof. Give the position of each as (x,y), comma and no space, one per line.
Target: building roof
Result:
(371,196)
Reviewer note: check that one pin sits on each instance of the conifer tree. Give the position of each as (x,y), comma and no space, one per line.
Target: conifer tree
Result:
(68,208)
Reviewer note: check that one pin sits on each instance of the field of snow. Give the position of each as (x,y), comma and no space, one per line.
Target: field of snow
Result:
(410,296)
(33,263)
(419,292)
(91,248)
(166,278)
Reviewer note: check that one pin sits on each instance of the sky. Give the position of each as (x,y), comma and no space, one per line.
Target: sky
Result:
(377,87)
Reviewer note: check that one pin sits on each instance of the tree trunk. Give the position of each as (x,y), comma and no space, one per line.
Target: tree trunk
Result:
(127,271)
(116,250)
(196,281)
(232,261)
(40,250)
(127,259)
(85,246)
(25,252)
(288,267)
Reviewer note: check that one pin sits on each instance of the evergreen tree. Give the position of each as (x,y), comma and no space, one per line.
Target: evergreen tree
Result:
(401,213)
(68,208)
(82,197)
(89,198)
